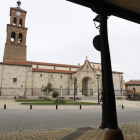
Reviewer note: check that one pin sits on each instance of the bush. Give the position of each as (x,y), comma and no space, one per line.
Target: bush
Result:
(55,94)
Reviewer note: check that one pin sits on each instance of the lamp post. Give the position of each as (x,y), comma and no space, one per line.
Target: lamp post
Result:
(98,89)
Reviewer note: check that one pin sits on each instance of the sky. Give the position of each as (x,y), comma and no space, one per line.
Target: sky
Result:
(62,32)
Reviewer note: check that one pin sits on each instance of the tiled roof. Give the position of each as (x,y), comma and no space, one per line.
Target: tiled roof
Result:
(52,71)
(29,63)
(52,64)
(18,8)
(112,71)
(136,82)
(19,63)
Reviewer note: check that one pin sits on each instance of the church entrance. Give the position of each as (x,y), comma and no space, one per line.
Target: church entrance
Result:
(87,87)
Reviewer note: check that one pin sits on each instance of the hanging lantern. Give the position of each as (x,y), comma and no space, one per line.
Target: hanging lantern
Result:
(96,43)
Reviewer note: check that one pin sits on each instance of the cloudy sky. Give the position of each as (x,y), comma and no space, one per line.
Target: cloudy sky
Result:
(62,32)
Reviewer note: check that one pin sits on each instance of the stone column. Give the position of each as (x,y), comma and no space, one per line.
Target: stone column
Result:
(17,22)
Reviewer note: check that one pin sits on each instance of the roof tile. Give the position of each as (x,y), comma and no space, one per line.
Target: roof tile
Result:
(134,82)
(52,71)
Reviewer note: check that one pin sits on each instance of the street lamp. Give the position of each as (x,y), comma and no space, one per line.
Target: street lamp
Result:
(134,94)
(98,89)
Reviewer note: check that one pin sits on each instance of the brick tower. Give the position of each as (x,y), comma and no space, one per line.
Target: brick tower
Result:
(15,46)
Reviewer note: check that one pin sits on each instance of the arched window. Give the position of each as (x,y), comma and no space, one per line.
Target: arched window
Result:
(20,22)
(14,21)
(20,38)
(13,36)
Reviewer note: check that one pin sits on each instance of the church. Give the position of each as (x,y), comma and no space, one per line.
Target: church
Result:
(26,78)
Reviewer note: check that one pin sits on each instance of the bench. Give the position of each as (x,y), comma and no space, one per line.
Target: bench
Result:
(42,97)
(22,97)
(76,98)
(62,98)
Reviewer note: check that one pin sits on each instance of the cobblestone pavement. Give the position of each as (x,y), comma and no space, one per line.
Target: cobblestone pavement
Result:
(17,122)
(130,132)
(12,105)
(29,120)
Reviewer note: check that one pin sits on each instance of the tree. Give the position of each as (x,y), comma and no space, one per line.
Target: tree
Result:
(48,89)
(55,94)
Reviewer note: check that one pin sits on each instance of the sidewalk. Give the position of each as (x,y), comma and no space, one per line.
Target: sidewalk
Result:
(12,105)
(130,132)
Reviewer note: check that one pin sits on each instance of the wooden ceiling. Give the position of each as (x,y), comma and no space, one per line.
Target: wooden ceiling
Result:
(126,9)
(130,5)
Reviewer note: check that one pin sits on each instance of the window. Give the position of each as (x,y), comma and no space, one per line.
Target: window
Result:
(70,69)
(13,36)
(133,87)
(14,21)
(40,75)
(37,66)
(20,22)
(60,76)
(20,38)
(128,87)
(54,68)
(14,80)
(93,66)
(98,67)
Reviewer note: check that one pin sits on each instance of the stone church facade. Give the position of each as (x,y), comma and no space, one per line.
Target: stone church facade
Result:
(18,73)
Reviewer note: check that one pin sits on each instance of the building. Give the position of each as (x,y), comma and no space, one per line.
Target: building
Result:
(21,77)
(132,85)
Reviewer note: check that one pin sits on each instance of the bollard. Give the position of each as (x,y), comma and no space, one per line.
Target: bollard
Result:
(4,106)
(80,106)
(30,107)
(56,106)
(122,107)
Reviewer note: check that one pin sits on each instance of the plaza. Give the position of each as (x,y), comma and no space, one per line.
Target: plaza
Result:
(67,123)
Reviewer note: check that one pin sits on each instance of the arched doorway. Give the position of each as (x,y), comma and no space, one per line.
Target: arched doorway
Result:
(87,87)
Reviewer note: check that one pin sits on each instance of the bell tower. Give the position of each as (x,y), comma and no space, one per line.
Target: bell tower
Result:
(15,46)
